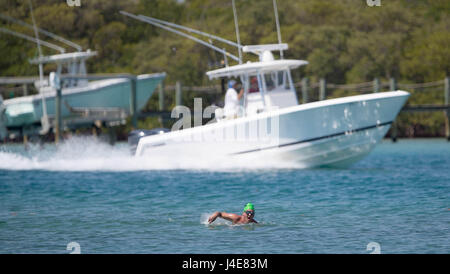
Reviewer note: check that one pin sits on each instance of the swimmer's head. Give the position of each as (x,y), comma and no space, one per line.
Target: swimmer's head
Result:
(249,210)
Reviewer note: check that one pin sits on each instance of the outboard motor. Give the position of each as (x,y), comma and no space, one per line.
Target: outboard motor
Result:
(135,135)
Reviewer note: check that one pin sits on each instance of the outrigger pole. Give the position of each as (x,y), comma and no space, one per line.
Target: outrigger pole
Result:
(49,34)
(32,39)
(278,26)
(211,36)
(236,26)
(157,24)
(44,119)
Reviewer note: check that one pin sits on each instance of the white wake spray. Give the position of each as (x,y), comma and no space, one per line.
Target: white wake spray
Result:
(90,154)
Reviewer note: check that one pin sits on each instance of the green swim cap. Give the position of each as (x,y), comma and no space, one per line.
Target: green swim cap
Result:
(249,206)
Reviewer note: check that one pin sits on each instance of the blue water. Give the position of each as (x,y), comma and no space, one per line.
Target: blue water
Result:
(108,202)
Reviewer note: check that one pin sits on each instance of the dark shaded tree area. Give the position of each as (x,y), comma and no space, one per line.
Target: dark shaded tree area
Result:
(344,41)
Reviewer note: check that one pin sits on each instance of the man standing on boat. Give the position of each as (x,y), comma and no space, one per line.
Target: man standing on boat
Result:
(246,217)
(232,100)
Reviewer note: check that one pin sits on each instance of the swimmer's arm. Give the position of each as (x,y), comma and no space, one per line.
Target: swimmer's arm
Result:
(227,216)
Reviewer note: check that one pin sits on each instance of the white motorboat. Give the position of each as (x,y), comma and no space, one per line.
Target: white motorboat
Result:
(272,123)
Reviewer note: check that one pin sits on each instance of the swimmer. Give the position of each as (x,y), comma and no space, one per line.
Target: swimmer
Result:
(246,217)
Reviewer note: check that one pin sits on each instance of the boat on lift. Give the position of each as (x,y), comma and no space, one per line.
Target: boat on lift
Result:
(23,115)
(271,124)
(34,114)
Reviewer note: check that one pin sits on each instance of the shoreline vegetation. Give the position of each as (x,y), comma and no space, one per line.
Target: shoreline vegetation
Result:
(345,42)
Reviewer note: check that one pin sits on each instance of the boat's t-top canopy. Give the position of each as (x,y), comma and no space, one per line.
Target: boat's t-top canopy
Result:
(253,68)
(266,63)
(64,58)
(74,63)
(259,49)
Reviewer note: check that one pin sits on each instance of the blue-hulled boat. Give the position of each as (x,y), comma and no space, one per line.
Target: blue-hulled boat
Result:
(24,115)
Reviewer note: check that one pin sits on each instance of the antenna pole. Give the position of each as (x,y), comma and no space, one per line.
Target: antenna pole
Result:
(237,32)
(152,22)
(278,26)
(32,39)
(52,35)
(190,30)
(36,33)
(44,118)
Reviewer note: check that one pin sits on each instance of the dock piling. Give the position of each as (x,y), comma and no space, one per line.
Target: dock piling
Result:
(161,96)
(25,141)
(58,121)
(323,89)
(178,90)
(376,85)
(305,87)
(133,103)
(25,89)
(112,135)
(394,129)
(392,84)
(447,112)
(161,102)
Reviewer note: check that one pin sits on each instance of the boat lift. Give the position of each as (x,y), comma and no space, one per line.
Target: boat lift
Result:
(74,64)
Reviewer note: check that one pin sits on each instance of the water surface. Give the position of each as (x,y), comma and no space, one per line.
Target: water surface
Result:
(98,196)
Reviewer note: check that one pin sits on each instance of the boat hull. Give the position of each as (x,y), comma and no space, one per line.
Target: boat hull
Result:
(335,132)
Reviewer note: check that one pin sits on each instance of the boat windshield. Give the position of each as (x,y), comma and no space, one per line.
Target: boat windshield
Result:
(277,80)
